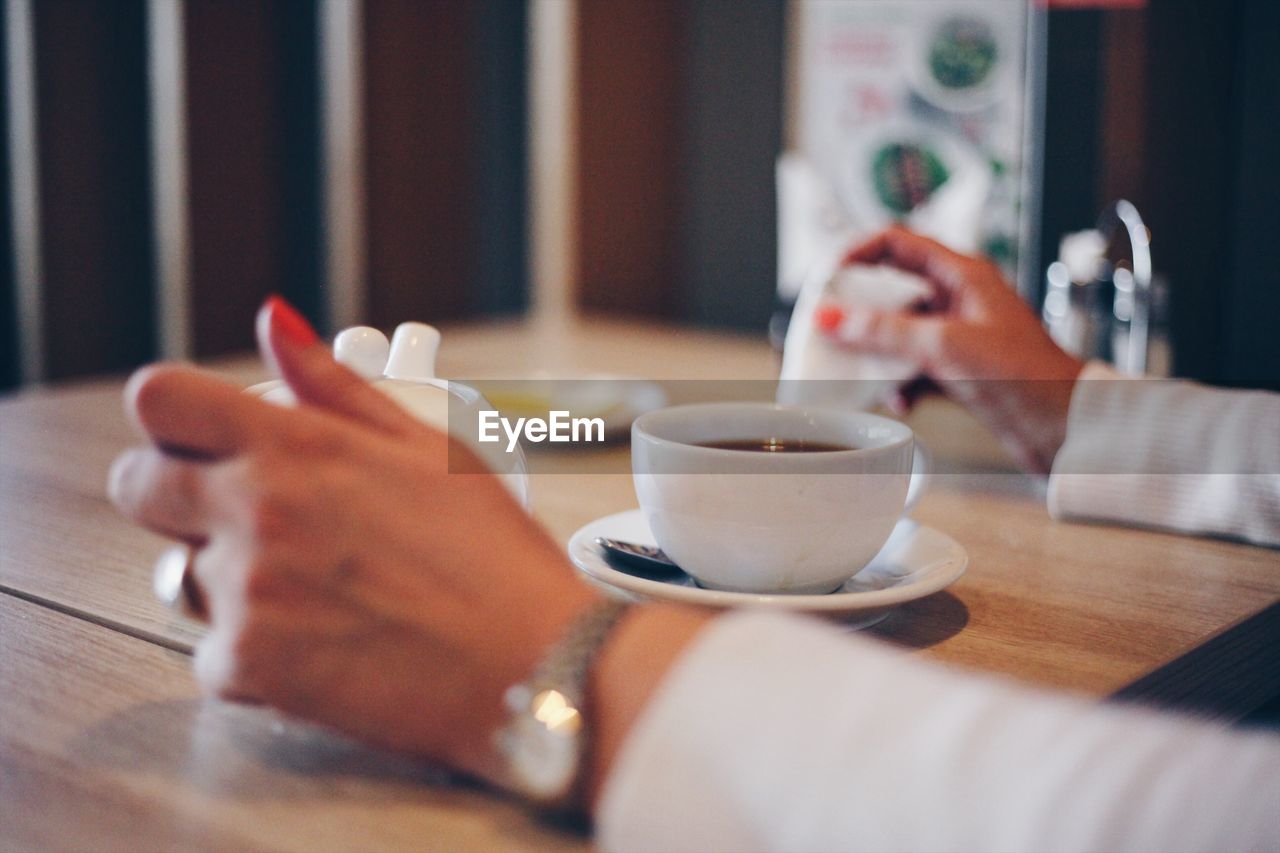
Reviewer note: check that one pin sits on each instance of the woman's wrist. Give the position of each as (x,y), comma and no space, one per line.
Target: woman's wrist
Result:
(628,667)
(519,646)
(1028,413)
(1051,405)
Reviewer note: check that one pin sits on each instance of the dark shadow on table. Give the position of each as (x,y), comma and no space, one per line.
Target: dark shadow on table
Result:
(924,622)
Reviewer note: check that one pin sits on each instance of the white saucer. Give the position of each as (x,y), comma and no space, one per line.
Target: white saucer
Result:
(916,561)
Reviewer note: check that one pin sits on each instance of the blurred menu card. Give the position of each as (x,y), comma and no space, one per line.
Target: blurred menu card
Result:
(915,111)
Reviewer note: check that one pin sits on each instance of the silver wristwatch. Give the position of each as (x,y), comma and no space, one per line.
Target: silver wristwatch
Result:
(544,743)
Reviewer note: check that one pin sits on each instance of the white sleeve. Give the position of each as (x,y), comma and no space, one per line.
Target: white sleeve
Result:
(779,733)
(1161,453)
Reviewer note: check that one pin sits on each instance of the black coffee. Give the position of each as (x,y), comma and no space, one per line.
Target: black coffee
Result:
(776,445)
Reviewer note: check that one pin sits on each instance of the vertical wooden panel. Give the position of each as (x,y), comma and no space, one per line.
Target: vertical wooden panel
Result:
(629,74)
(445,158)
(499,154)
(93,184)
(1189,172)
(731,139)
(1124,95)
(1253,347)
(419,200)
(236,209)
(1073,93)
(295,34)
(252,153)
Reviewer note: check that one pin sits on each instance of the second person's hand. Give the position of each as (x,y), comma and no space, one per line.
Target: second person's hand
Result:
(975,338)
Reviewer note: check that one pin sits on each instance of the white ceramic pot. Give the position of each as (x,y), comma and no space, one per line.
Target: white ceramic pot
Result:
(405,370)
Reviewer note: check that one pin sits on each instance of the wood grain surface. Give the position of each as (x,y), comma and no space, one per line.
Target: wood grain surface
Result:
(101,723)
(106,745)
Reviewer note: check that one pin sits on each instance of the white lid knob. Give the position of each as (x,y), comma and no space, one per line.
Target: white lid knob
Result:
(413,352)
(362,348)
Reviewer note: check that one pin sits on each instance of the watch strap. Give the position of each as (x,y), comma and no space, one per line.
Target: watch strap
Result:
(564,670)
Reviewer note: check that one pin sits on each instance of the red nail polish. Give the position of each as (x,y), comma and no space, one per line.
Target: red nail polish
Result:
(828,318)
(289,324)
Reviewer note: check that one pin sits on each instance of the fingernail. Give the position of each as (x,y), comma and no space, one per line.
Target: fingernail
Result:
(288,323)
(828,318)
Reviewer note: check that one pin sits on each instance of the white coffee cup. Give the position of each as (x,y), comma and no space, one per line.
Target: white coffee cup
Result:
(785,522)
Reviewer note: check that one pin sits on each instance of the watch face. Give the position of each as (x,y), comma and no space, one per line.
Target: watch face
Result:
(543,746)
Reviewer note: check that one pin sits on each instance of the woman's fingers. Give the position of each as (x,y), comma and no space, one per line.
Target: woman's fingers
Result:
(287,341)
(906,250)
(914,337)
(191,412)
(166,494)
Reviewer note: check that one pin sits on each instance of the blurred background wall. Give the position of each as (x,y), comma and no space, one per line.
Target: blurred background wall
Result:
(168,163)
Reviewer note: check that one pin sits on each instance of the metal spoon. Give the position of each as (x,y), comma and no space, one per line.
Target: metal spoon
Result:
(647,559)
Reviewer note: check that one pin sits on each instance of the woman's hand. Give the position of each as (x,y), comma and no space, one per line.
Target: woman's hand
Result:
(351,577)
(975,338)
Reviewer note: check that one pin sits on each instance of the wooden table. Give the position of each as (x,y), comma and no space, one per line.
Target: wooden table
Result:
(105,743)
